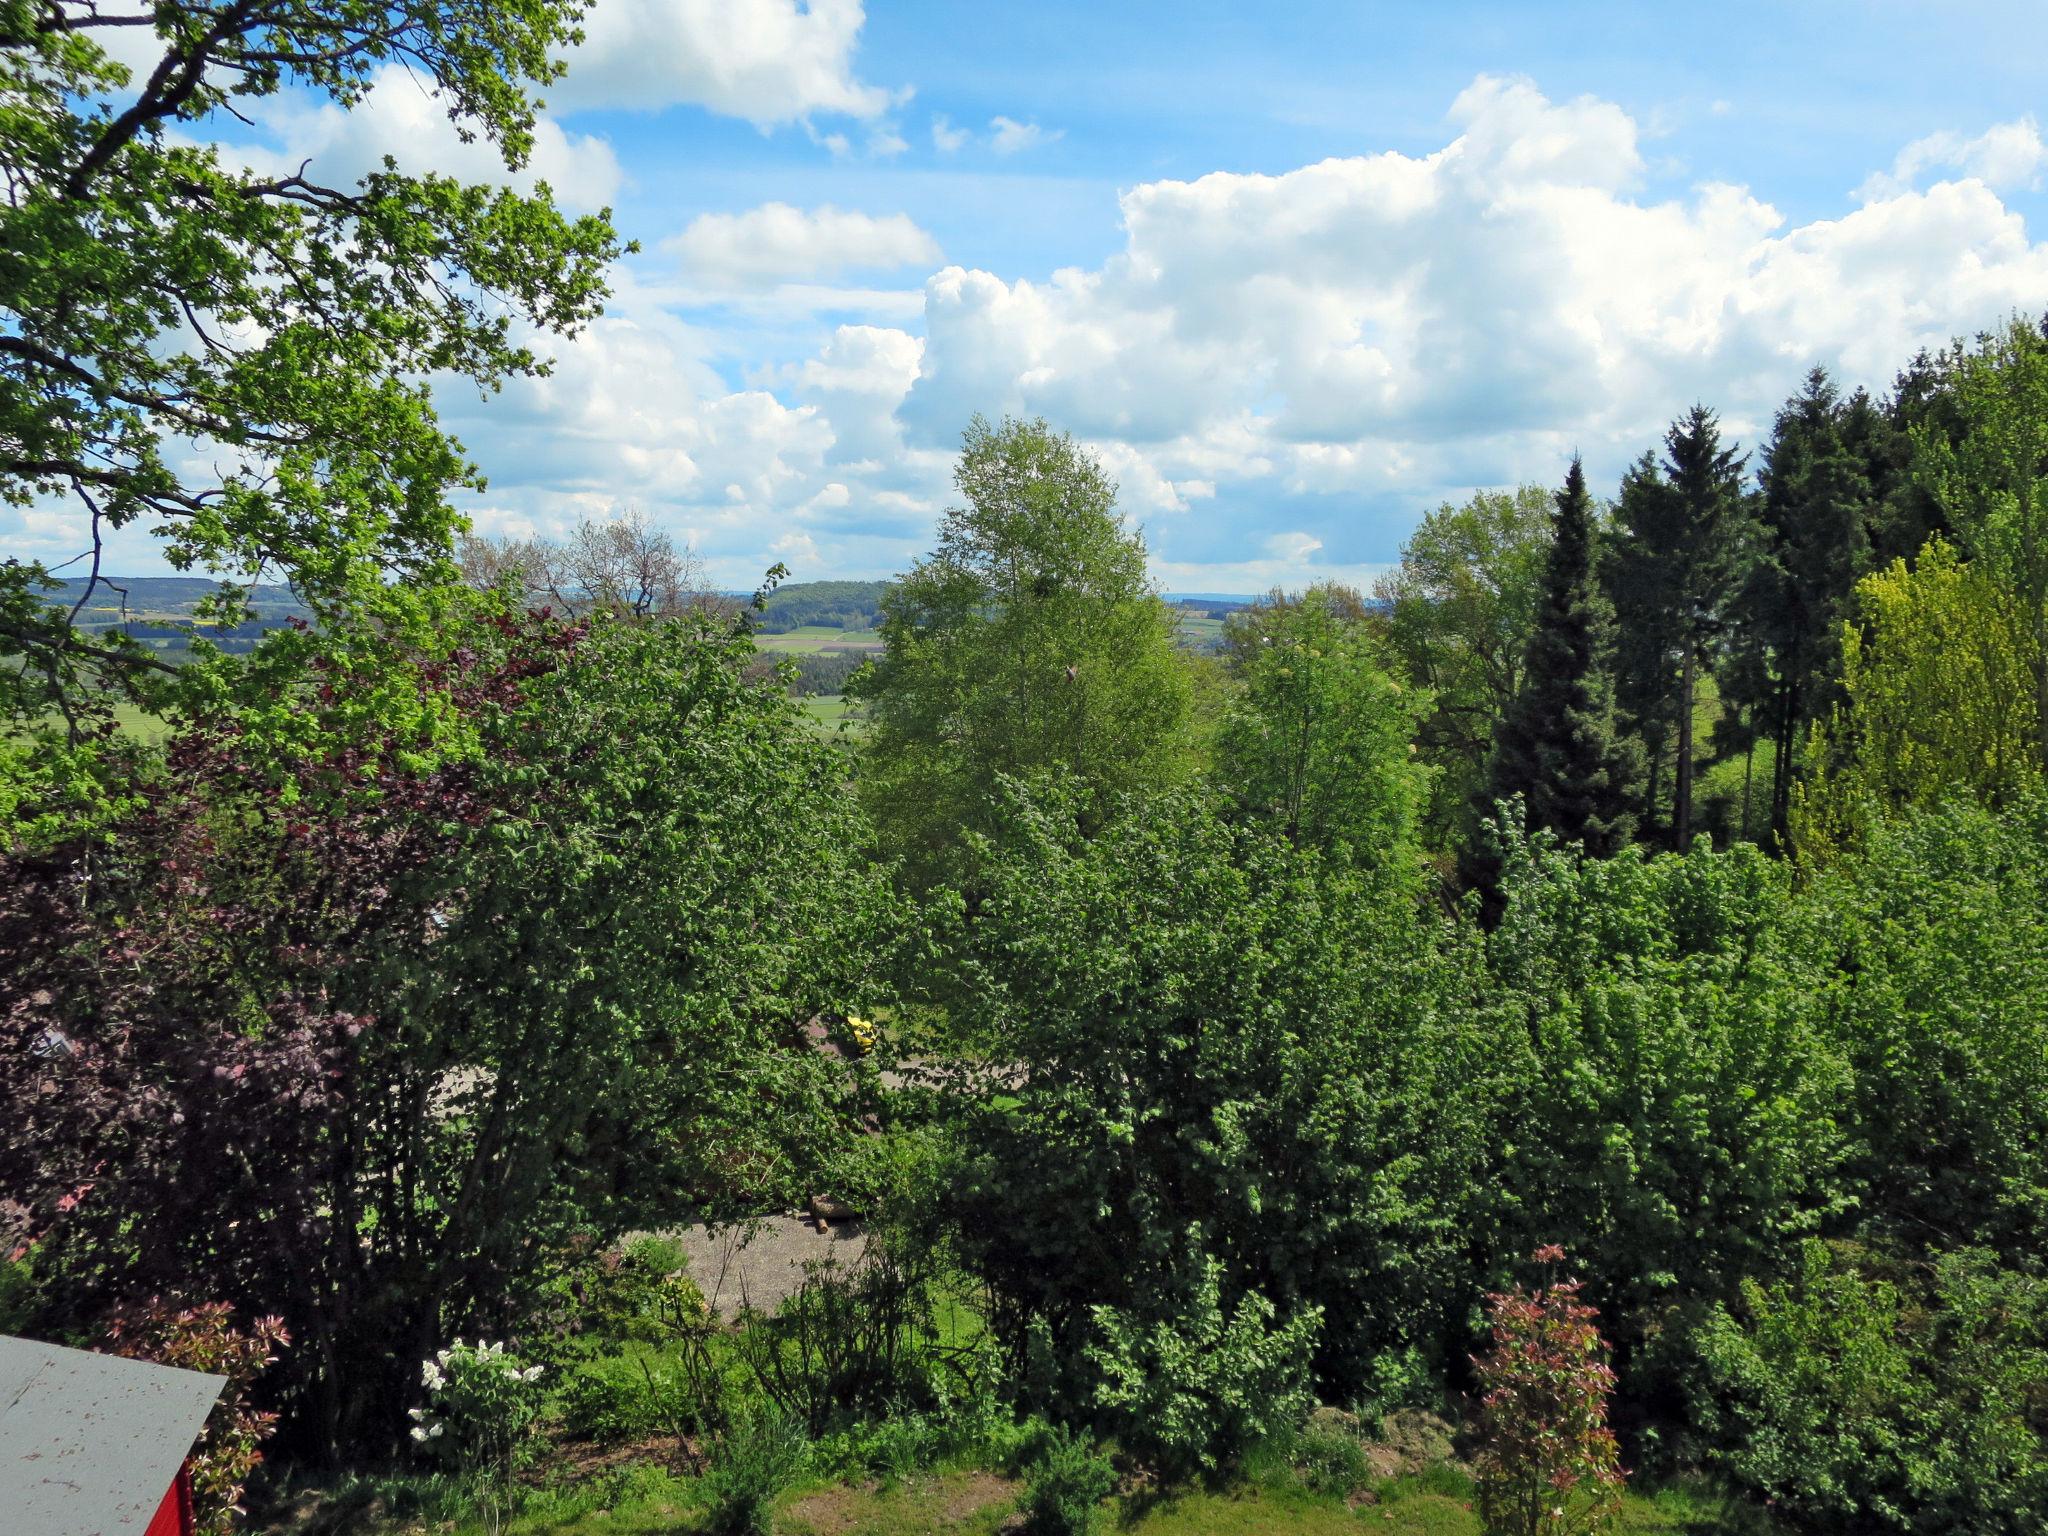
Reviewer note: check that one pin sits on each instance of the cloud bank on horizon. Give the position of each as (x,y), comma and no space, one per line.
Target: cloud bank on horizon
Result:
(1283,368)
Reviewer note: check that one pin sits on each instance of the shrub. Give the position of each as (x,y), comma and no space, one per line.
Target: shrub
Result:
(1938,932)
(482,1407)
(204,1338)
(859,1342)
(1194,1389)
(544,897)
(1857,1403)
(752,1462)
(1548,1464)
(1065,1484)
(1329,1458)
(607,1398)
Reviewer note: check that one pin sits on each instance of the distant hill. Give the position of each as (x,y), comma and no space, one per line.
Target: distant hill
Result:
(166,597)
(833,604)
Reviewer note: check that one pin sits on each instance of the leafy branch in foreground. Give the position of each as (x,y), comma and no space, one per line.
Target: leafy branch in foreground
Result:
(236,358)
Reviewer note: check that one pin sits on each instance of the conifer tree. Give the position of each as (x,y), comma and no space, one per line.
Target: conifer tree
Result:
(1812,545)
(1557,746)
(1681,528)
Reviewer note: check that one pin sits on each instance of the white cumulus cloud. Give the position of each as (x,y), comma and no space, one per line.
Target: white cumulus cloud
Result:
(768,61)
(777,242)
(1409,325)
(2006,157)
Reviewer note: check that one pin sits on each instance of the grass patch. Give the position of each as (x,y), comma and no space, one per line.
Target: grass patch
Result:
(644,1499)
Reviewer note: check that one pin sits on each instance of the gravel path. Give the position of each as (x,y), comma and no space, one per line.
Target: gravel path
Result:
(761,1267)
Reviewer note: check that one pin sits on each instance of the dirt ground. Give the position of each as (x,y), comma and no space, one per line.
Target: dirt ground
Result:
(759,1267)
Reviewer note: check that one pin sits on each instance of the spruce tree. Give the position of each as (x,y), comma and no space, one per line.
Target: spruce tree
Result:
(1681,527)
(1557,746)
(1813,519)
(1646,629)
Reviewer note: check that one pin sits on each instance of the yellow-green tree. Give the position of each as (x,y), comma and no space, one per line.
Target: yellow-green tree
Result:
(1992,480)
(1939,684)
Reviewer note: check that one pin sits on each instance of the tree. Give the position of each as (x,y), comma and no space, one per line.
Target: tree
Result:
(1458,616)
(1318,736)
(1557,747)
(239,357)
(1813,517)
(1201,1027)
(622,566)
(1993,481)
(1938,931)
(1937,684)
(405,974)
(1678,529)
(1677,1126)
(1029,642)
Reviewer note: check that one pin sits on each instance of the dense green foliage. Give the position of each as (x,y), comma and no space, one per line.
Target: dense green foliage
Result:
(1670,574)
(237,358)
(1316,737)
(1861,1403)
(1458,614)
(397,1007)
(1222,1046)
(1030,642)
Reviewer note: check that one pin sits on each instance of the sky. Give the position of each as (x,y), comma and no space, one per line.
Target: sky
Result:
(1297,273)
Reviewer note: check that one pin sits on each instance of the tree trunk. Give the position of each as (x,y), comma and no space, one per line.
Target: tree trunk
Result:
(1784,731)
(1654,749)
(1748,774)
(1681,787)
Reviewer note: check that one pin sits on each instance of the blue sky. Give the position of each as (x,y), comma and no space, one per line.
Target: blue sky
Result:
(1297,272)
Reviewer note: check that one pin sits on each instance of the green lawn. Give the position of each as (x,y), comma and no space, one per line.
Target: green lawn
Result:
(139,723)
(644,1500)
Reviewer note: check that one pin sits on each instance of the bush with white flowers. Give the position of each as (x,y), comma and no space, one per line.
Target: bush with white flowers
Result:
(483,1404)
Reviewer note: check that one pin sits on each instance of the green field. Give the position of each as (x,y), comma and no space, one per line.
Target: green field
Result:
(818,638)
(831,709)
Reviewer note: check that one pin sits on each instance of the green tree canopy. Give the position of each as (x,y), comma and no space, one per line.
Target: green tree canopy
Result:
(238,359)
(1678,540)
(1992,480)
(400,977)
(1938,702)
(1318,735)
(1459,610)
(1029,642)
(1814,516)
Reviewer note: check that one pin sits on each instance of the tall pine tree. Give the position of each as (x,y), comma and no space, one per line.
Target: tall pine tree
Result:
(1679,527)
(1812,545)
(1557,746)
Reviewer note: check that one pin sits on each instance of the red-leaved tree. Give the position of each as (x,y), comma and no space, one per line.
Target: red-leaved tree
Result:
(1548,1464)
(406,969)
